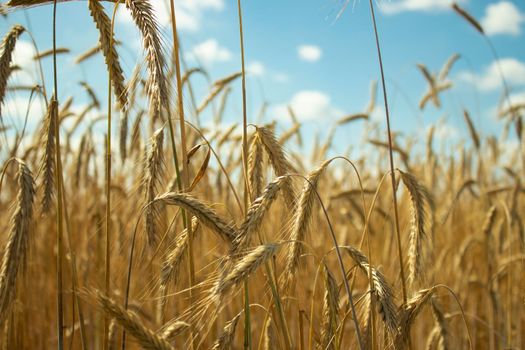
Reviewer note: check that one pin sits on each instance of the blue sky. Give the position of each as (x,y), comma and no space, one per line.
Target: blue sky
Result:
(300,54)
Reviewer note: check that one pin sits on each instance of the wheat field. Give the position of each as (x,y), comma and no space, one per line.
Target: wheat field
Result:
(172,234)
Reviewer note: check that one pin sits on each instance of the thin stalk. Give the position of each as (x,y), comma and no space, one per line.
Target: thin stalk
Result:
(74,275)
(182,126)
(278,304)
(58,181)
(390,153)
(107,259)
(247,325)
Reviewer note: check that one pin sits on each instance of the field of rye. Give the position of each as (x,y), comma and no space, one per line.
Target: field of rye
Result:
(175,235)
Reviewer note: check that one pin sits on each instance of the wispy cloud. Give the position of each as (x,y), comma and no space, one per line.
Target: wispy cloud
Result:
(209,52)
(189,12)
(490,79)
(502,18)
(309,53)
(256,68)
(395,7)
(310,105)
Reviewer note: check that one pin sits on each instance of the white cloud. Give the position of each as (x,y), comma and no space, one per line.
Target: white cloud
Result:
(444,131)
(189,12)
(23,54)
(378,114)
(309,53)
(256,68)
(490,79)
(397,6)
(281,78)
(502,18)
(16,108)
(310,105)
(517,98)
(209,52)
(509,149)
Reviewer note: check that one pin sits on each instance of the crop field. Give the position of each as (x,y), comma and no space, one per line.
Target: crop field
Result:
(168,213)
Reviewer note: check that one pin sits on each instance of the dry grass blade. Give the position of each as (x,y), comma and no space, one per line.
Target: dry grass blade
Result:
(421,204)
(50,52)
(107,44)
(201,172)
(147,338)
(91,93)
(153,175)
(352,117)
(8,46)
(463,13)
(225,339)
(48,158)
(204,214)
(15,252)
(301,224)
(472,130)
(448,66)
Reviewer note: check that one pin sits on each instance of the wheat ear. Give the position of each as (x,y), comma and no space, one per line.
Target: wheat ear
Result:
(48,158)
(202,212)
(8,46)
(107,44)
(146,337)
(15,252)
(301,223)
(154,170)
(421,203)
(225,339)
